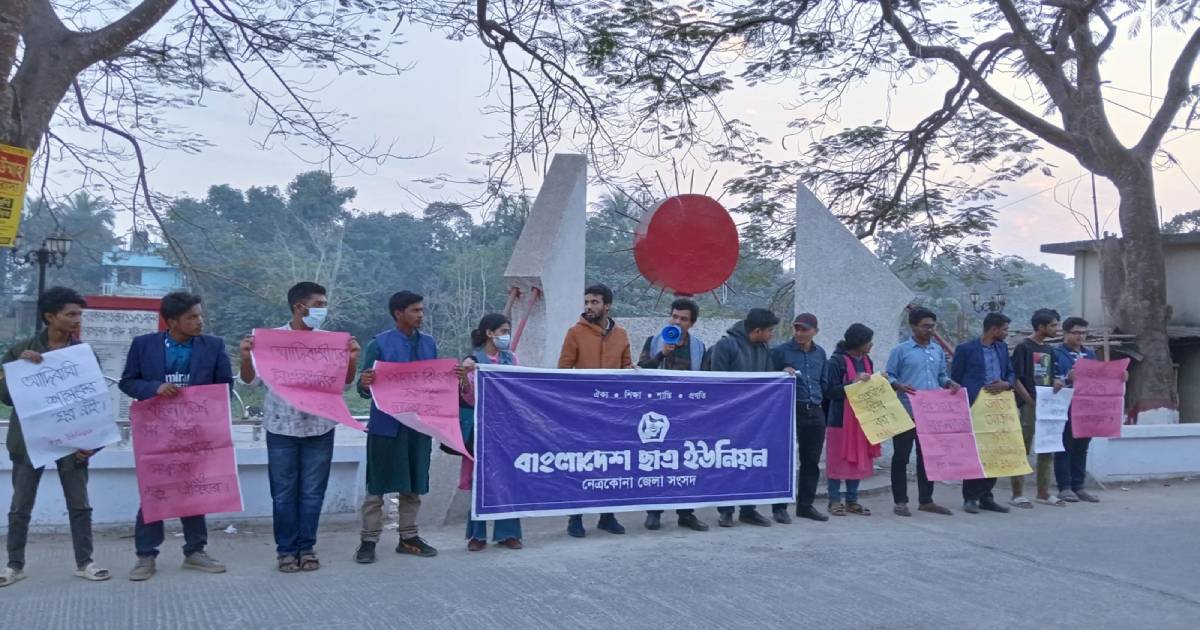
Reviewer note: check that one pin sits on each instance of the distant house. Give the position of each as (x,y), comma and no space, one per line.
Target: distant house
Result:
(1182,253)
(140,271)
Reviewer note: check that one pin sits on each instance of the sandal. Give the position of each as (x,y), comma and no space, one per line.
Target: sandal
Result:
(1021,502)
(837,509)
(309,562)
(11,576)
(288,564)
(93,573)
(1052,500)
(857,508)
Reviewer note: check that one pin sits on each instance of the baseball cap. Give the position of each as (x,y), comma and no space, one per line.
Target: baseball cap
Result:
(807,320)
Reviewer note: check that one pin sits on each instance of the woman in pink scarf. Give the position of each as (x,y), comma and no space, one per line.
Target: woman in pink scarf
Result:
(849,457)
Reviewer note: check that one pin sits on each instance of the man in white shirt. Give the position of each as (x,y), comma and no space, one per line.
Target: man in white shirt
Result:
(299,445)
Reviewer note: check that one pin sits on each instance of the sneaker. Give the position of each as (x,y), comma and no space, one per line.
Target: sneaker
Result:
(781,516)
(811,513)
(1084,495)
(201,561)
(575,527)
(934,508)
(725,519)
(690,521)
(901,509)
(476,545)
(416,546)
(143,570)
(992,506)
(971,506)
(365,553)
(609,523)
(752,517)
(654,521)
(1068,496)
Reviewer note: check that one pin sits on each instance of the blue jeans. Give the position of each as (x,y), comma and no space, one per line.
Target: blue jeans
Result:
(1070,466)
(835,490)
(148,536)
(504,529)
(299,472)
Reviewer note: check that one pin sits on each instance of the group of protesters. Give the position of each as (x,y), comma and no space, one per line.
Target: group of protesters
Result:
(300,445)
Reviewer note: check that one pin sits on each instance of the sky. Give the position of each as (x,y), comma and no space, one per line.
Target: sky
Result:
(435,108)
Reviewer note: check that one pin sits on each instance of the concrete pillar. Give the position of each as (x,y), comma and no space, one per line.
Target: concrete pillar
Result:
(549,258)
(547,262)
(841,281)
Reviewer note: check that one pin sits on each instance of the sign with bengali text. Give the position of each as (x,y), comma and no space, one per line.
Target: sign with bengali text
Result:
(997,426)
(944,427)
(880,413)
(1098,408)
(583,441)
(422,395)
(15,164)
(307,369)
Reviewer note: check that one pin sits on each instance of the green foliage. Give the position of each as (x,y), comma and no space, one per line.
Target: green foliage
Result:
(1183,223)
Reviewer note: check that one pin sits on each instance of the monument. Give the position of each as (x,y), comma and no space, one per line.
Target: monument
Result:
(841,281)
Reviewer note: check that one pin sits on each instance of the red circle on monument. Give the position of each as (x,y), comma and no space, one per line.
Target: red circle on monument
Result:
(687,245)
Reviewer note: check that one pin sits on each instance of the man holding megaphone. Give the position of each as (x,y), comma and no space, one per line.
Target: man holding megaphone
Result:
(675,349)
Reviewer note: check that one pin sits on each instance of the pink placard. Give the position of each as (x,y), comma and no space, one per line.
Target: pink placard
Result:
(422,395)
(183,452)
(307,369)
(944,428)
(1098,408)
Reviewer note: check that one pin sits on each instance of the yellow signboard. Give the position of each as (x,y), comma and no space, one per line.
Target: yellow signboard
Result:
(878,409)
(997,426)
(15,164)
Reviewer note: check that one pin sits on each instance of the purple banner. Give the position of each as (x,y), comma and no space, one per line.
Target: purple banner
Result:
(583,441)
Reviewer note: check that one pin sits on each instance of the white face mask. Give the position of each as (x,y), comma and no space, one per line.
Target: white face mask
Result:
(502,341)
(315,317)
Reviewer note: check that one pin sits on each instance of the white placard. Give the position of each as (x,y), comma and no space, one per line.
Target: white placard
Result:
(63,404)
(111,332)
(1052,410)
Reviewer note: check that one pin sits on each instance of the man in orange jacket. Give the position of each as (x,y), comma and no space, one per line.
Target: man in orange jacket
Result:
(595,342)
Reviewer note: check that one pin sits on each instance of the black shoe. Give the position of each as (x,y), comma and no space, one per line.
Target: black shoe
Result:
(754,518)
(971,506)
(691,522)
(609,523)
(725,519)
(781,516)
(654,521)
(575,527)
(992,506)
(365,553)
(415,546)
(811,512)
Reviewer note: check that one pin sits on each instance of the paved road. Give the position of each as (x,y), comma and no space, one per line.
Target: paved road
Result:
(1132,561)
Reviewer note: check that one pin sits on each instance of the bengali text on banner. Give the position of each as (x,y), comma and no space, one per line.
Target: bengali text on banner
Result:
(997,426)
(63,403)
(943,420)
(183,451)
(583,441)
(422,395)
(879,411)
(1098,408)
(307,369)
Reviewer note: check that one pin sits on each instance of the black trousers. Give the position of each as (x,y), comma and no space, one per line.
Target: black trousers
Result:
(978,489)
(902,447)
(810,441)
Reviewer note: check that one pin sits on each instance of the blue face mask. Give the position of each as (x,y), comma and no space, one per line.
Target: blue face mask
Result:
(502,341)
(316,316)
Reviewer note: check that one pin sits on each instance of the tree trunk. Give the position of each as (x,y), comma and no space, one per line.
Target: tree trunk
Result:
(1134,282)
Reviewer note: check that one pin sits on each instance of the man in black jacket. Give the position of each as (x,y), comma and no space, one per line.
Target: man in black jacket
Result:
(745,348)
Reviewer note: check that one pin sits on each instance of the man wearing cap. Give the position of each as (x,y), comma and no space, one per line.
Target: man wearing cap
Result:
(801,357)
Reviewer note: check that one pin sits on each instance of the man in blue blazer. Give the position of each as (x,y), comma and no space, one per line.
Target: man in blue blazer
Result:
(159,364)
(983,364)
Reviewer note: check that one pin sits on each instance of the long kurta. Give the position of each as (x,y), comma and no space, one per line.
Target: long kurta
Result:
(398,463)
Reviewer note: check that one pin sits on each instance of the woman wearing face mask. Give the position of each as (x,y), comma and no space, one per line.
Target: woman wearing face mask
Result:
(490,341)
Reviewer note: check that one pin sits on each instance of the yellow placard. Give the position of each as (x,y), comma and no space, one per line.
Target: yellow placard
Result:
(14,174)
(878,409)
(997,426)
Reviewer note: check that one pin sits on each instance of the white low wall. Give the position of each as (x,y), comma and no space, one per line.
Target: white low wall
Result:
(1156,451)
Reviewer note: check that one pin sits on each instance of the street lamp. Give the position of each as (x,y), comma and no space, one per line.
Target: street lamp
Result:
(994,305)
(53,251)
